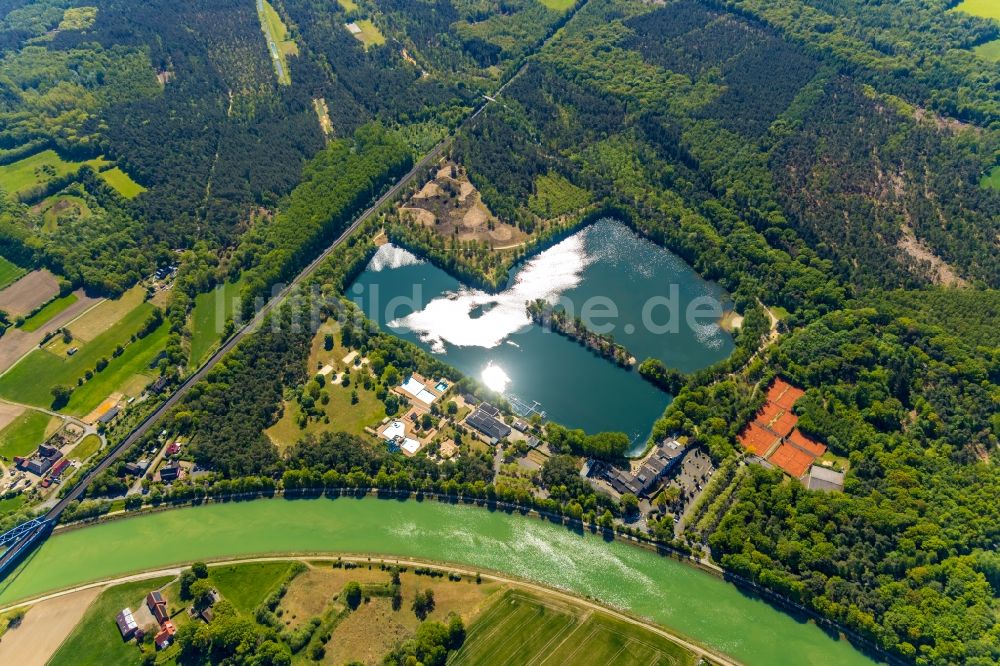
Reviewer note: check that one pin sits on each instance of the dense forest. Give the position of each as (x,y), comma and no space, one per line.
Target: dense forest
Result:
(820,160)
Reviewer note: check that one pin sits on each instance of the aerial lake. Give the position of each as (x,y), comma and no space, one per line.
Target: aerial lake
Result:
(639,291)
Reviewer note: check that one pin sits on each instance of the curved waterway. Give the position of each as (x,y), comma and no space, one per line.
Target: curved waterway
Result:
(646,297)
(696,604)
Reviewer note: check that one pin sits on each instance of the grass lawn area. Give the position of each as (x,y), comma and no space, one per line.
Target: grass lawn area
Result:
(369,35)
(984,8)
(96,639)
(23,175)
(9,272)
(122,183)
(208,317)
(344,417)
(26,432)
(992,179)
(31,380)
(90,445)
(54,307)
(12,504)
(348,5)
(247,585)
(558,5)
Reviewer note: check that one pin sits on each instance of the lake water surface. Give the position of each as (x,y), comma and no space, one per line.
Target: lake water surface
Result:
(637,288)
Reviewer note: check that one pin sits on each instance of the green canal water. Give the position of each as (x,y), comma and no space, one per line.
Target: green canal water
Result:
(700,606)
(646,297)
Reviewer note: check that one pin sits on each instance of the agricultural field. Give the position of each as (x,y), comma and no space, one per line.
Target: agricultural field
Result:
(22,177)
(50,310)
(95,640)
(522,628)
(26,432)
(9,272)
(983,8)
(370,35)
(32,380)
(122,183)
(28,293)
(95,321)
(348,5)
(208,318)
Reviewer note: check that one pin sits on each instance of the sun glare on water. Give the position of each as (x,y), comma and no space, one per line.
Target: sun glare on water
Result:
(495,378)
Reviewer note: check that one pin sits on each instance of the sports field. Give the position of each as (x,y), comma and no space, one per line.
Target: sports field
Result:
(524,629)
(9,272)
(122,183)
(51,309)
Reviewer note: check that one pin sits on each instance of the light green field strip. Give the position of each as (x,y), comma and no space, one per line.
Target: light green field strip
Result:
(122,183)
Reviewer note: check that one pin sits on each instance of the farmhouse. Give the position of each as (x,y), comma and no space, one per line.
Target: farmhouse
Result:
(157,605)
(126,623)
(165,636)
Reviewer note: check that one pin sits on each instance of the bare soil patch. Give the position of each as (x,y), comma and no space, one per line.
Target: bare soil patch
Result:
(45,626)
(941,272)
(452,206)
(8,413)
(31,291)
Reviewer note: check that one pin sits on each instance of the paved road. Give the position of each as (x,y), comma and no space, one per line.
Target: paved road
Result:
(541,590)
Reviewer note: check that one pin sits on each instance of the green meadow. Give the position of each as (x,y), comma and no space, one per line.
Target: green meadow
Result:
(31,380)
(50,310)
(9,272)
(208,317)
(24,175)
(122,183)
(25,433)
